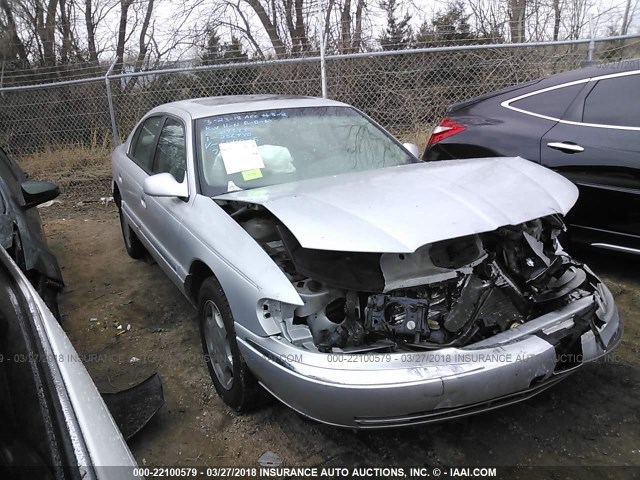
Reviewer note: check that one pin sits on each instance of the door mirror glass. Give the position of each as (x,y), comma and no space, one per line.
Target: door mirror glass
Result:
(36,193)
(413,149)
(164,185)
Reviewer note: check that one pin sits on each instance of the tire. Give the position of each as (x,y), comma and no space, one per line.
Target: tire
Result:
(132,244)
(231,377)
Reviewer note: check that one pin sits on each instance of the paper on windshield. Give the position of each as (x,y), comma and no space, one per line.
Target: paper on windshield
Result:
(241,156)
(251,174)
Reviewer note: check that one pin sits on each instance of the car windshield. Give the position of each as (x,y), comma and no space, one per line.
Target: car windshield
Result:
(247,150)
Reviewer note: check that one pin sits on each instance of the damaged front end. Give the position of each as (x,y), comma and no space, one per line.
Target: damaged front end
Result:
(450,293)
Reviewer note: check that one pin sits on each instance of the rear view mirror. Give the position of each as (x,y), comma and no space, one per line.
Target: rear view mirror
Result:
(164,185)
(36,193)
(413,149)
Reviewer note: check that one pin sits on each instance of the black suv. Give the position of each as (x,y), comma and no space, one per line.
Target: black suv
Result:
(583,124)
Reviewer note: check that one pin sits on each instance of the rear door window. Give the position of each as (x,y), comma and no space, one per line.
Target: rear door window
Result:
(144,142)
(552,103)
(614,101)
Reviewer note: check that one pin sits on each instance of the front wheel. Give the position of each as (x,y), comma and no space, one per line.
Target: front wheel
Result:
(132,243)
(231,377)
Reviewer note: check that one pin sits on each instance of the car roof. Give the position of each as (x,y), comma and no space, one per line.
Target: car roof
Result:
(229,104)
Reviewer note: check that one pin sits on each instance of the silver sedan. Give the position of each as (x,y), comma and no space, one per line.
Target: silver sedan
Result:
(360,286)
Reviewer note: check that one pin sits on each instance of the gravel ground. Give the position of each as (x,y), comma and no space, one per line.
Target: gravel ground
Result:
(590,419)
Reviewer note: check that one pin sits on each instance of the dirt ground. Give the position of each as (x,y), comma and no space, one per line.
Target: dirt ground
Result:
(590,419)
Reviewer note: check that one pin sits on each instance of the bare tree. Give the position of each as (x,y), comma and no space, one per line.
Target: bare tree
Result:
(489,18)
(350,25)
(627,18)
(577,17)
(143,44)
(517,10)
(46,27)
(291,26)
(122,34)
(269,23)
(12,44)
(557,12)
(91,32)
(65,30)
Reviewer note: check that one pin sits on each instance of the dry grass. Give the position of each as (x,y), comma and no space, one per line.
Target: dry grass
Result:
(79,171)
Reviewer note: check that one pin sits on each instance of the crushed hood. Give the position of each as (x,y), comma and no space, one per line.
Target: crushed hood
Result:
(398,209)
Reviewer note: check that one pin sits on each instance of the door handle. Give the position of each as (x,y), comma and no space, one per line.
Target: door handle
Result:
(566,147)
(142,202)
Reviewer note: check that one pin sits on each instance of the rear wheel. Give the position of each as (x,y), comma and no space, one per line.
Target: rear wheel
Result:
(231,377)
(132,244)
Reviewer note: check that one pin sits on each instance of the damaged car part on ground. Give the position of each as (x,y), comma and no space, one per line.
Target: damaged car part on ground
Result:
(404,292)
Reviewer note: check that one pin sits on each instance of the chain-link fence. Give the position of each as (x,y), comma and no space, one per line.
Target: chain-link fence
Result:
(64,131)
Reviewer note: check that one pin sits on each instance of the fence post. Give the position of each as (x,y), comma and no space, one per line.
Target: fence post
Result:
(323,64)
(592,43)
(112,112)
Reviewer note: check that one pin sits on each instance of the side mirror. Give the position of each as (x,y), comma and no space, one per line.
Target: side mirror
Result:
(36,193)
(164,185)
(413,149)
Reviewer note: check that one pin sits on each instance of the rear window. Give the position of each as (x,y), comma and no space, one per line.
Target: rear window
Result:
(553,103)
(614,101)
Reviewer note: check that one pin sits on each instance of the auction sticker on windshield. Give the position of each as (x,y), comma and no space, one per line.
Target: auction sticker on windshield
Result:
(241,156)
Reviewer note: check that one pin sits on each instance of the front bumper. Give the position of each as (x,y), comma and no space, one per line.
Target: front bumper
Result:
(383,390)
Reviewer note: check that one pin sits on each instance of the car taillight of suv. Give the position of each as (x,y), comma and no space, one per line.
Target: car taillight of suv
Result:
(445,129)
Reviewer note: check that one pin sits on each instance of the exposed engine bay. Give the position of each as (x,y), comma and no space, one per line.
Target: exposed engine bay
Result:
(446,294)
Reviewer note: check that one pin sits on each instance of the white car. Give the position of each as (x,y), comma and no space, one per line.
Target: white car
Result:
(355,283)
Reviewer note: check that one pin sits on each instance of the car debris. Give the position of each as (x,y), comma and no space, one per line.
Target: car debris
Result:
(133,407)
(48,204)
(269,459)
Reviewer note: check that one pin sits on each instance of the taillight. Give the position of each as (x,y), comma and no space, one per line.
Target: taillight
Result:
(445,128)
